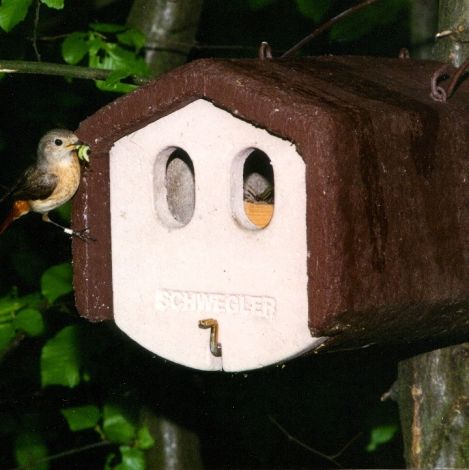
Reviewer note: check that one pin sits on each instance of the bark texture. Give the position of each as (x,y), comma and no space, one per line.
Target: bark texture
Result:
(170,27)
(176,448)
(453,15)
(434,387)
(434,408)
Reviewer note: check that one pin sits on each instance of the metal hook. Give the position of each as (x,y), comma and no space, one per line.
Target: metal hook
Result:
(438,93)
(215,346)
(265,51)
(404,53)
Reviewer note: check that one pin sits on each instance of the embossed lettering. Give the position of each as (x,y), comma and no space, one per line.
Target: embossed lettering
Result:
(212,303)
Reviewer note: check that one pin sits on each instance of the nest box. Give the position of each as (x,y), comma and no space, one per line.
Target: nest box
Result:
(281,203)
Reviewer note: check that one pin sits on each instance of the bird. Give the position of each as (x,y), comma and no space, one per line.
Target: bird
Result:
(49,183)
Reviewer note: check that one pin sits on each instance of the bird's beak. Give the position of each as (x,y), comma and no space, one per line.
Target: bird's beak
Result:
(76,145)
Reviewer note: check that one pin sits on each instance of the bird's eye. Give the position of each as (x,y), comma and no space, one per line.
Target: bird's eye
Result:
(58,142)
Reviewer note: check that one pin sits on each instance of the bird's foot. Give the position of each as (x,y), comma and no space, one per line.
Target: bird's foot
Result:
(81,234)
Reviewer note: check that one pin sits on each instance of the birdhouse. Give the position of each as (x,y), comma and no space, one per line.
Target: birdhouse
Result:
(282,205)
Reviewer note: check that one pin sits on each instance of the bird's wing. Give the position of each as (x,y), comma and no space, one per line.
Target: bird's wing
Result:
(34,184)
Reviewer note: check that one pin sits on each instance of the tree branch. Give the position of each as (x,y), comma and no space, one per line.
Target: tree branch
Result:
(67,453)
(327,25)
(63,70)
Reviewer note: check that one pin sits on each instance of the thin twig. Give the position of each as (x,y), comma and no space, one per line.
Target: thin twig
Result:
(169,45)
(305,446)
(50,38)
(66,453)
(63,70)
(36,23)
(347,445)
(327,25)
(182,46)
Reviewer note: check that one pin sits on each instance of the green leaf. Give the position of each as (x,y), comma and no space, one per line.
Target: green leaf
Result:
(13,12)
(81,417)
(7,334)
(119,58)
(74,48)
(117,426)
(107,27)
(116,76)
(61,360)
(9,305)
(65,212)
(132,459)
(315,10)
(144,438)
(368,19)
(381,435)
(108,464)
(111,56)
(57,281)
(115,87)
(259,4)
(132,38)
(113,83)
(30,321)
(95,45)
(57,4)
(29,449)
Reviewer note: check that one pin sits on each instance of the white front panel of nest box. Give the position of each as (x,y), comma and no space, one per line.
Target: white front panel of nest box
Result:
(168,276)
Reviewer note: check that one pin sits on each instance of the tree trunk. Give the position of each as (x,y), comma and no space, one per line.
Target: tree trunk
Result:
(434,408)
(170,27)
(175,448)
(453,16)
(434,387)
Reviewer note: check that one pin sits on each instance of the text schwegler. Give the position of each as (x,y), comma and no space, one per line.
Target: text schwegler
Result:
(213,303)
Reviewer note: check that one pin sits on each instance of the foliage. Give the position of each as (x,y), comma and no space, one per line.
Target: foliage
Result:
(381,435)
(13,12)
(31,451)
(19,316)
(108,46)
(56,281)
(121,54)
(64,358)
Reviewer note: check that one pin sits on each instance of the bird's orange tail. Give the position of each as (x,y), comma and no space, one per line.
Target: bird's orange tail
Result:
(18,209)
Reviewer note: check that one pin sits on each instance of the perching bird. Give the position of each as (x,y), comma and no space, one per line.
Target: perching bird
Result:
(48,184)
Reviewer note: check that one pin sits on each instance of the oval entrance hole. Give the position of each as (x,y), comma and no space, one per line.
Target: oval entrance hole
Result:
(174,184)
(254,170)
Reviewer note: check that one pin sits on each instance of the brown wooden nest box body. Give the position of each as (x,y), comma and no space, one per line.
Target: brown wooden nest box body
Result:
(386,178)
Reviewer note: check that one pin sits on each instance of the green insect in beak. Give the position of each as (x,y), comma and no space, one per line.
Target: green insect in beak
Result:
(83,152)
